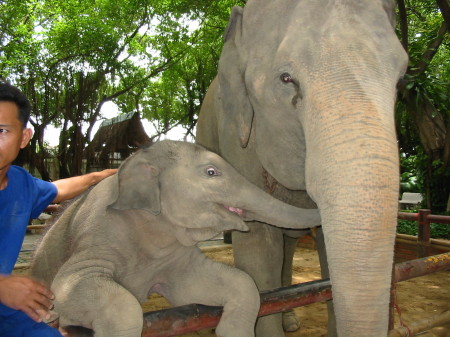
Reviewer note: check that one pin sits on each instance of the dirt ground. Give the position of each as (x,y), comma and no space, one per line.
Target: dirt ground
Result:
(417,299)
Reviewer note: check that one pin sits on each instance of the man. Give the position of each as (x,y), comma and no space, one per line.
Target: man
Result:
(25,303)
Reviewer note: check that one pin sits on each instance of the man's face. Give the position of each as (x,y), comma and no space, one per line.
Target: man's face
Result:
(13,136)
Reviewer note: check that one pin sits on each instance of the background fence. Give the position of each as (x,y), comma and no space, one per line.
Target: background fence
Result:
(190,318)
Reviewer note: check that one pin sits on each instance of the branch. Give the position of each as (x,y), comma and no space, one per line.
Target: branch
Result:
(131,36)
(444,6)
(429,53)
(105,99)
(164,131)
(154,72)
(403,23)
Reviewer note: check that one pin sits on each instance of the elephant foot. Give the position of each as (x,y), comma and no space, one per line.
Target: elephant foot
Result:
(291,322)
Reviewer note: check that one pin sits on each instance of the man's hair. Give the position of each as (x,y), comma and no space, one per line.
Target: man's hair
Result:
(10,93)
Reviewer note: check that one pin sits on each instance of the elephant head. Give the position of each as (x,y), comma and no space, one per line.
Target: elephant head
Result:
(198,193)
(311,85)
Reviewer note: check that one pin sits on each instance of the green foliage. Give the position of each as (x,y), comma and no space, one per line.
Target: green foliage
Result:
(410,177)
(70,57)
(423,108)
(159,57)
(439,183)
(437,231)
(407,227)
(418,172)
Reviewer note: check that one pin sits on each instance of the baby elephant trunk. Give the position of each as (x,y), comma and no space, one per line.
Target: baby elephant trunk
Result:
(258,205)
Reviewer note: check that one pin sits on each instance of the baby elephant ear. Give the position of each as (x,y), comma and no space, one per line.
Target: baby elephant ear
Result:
(138,187)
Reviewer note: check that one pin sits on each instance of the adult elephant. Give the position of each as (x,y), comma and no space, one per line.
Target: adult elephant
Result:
(303,107)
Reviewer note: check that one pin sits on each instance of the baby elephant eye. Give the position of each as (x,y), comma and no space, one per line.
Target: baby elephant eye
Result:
(286,78)
(211,171)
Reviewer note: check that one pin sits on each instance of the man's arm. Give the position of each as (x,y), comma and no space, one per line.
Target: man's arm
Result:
(71,187)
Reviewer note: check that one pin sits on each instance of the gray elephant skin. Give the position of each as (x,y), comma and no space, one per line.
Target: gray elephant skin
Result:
(302,106)
(135,233)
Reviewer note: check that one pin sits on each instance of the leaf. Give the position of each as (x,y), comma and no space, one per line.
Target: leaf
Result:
(410,85)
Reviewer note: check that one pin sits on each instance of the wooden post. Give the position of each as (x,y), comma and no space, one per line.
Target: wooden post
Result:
(423,238)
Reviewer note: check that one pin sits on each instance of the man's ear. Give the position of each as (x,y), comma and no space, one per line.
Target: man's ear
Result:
(26,136)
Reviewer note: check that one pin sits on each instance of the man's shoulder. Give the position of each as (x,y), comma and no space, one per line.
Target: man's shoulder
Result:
(19,177)
(30,190)
(19,172)
(19,180)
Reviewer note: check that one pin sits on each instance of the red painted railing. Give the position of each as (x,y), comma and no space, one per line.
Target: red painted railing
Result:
(194,317)
(424,218)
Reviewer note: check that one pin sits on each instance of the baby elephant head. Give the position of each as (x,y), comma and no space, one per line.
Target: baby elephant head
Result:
(199,193)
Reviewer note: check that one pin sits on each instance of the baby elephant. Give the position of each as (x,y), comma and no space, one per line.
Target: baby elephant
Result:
(135,233)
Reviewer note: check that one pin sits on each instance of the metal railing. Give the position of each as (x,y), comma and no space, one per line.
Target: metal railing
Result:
(184,319)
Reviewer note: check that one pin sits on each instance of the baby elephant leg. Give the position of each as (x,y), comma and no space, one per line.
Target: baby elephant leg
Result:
(211,283)
(97,302)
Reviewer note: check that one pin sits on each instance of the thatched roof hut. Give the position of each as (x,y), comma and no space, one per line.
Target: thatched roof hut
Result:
(115,140)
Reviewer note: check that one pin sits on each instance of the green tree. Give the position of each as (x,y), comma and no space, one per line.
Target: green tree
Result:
(159,57)
(71,57)
(423,113)
(175,98)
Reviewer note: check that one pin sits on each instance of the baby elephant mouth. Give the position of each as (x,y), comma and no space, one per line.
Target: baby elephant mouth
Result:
(235,210)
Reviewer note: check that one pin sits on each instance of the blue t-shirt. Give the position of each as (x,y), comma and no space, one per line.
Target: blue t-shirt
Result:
(24,198)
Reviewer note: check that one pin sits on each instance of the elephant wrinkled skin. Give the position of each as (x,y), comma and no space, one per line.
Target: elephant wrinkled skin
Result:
(302,106)
(135,233)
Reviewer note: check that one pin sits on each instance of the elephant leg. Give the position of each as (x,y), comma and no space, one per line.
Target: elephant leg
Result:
(291,322)
(97,302)
(320,241)
(212,283)
(260,254)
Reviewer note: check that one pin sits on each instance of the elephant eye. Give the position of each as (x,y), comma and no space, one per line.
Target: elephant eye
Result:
(286,78)
(212,171)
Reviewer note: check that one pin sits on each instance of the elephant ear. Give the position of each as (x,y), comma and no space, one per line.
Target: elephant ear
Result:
(233,92)
(138,186)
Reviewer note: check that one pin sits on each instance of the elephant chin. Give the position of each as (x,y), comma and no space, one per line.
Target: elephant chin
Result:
(191,236)
(207,227)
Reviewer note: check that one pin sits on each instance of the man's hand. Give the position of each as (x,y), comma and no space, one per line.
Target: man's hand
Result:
(31,297)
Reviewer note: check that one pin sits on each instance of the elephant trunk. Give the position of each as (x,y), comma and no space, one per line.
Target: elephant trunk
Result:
(260,206)
(353,176)
(361,275)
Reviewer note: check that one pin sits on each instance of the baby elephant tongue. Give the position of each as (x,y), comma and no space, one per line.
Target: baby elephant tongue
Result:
(236,210)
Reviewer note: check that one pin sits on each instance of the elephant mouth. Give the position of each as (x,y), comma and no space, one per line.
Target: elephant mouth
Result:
(190,236)
(245,215)
(236,210)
